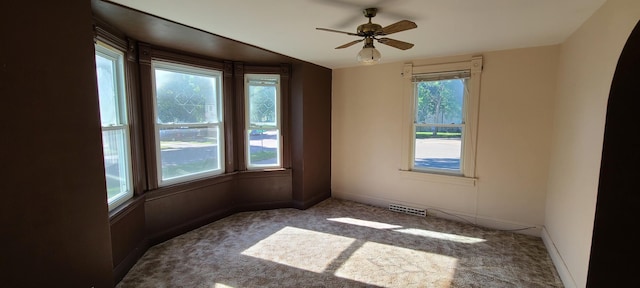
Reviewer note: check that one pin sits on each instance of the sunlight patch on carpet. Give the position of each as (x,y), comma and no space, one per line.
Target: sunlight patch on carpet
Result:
(300,248)
(387,265)
(364,223)
(441,236)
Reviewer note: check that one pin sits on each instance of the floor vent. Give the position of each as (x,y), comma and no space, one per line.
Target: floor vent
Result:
(408,210)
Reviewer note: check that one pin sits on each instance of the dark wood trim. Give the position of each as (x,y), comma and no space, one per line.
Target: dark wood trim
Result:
(109,35)
(132,80)
(264,173)
(229,119)
(238,75)
(262,69)
(123,210)
(148,121)
(285,91)
(179,57)
(185,187)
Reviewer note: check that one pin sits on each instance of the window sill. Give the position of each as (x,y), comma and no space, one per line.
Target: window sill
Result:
(270,172)
(439,178)
(123,209)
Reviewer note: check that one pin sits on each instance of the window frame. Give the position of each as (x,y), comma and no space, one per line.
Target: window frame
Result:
(220,125)
(438,76)
(470,122)
(117,56)
(248,126)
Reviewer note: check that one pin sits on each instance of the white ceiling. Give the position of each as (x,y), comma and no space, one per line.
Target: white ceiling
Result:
(445,27)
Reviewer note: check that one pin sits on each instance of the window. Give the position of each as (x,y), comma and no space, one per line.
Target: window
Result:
(262,118)
(115,127)
(189,125)
(439,124)
(444,101)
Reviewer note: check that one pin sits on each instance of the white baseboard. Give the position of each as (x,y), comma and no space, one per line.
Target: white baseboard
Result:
(492,223)
(558,262)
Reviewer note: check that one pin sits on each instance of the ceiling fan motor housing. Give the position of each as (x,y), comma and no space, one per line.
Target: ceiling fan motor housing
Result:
(369,29)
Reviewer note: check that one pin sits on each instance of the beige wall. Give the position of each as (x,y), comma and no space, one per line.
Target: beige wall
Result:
(516,105)
(541,125)
(585,70)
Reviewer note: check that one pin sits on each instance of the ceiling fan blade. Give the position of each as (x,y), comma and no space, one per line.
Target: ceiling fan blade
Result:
(350,43)
(331,30)
(398,27)
(395,43)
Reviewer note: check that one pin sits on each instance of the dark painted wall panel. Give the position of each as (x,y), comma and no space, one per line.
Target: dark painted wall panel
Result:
(311,133)
(173,214)
(297,121)
(317,134)
(53,213)
(128,237)
(263,190)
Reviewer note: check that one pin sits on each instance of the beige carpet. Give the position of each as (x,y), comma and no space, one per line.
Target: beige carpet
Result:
(343,244)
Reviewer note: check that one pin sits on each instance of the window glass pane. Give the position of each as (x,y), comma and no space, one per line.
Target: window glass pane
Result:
(187,151)
(263,147)
(113,117)
(107,90)
(183,97)
(438,147)
(116,165)
(262,108)
(440,102)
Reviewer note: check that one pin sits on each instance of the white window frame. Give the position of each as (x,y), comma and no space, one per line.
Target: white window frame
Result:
(467,173)
(104,50)
(182,68)
(249,126)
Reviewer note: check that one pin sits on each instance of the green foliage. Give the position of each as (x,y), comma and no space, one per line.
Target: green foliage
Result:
(175,170)
(439,102)
(182,98)
(263,155)
(263,101)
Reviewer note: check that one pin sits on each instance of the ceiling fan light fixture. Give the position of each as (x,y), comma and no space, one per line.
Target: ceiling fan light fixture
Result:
(369,56)
(370,31)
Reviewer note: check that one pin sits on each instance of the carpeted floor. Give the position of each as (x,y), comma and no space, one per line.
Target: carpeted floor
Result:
(340,243)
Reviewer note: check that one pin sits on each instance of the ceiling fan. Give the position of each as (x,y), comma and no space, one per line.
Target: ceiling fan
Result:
(372,31)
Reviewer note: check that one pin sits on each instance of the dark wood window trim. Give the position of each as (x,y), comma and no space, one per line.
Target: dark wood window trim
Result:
(107,34)
(187,186)
(138,83)
(148,53)
(240,69)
